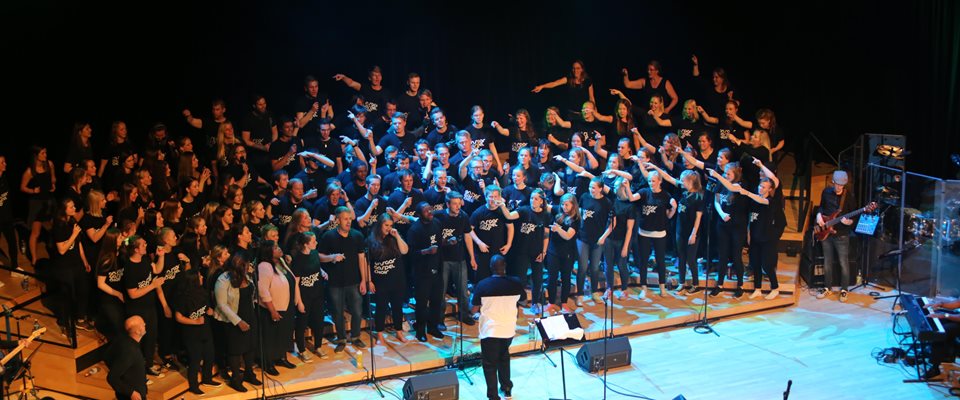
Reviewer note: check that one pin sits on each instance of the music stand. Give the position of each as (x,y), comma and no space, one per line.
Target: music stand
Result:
(572,323)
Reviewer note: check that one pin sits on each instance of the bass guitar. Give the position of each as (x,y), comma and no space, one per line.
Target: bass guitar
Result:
(821,233)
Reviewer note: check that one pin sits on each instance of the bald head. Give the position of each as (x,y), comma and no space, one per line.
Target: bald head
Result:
(135,327)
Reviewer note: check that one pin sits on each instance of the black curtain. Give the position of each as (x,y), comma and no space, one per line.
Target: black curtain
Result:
(835,69)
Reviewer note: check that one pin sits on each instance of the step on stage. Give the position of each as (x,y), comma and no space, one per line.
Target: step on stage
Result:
(394,358)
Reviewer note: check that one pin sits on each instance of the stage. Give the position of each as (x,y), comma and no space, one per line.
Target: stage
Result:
(396,359)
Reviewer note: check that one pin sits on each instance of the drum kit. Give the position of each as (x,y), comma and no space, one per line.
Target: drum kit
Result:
(918,225)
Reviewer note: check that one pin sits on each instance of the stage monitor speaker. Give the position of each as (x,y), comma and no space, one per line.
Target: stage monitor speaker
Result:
(590,357)
(436,386)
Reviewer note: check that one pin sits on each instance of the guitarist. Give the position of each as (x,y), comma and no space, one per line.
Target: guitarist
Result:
(835,201)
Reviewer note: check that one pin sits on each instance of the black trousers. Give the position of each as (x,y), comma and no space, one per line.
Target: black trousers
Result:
(110,317)
(496,365)
(687,257)
(430,299)
(199,343)
(168,340)
(559,267)
(483,263)
(313,319)
(730,240)
(277,336)
(522,263)
(6,229)
(765,260)
(390,296)
(659,247)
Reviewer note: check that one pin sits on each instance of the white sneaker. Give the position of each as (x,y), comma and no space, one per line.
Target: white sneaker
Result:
(773,294)
(643,292)
(578,300)
(822,293)
(756,293)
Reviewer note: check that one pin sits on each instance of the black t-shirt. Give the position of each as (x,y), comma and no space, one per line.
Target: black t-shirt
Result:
(623,211)
(138,275)
(396,199)
(558,244)
(307,267)
(90,249)
(114,277)
(724,130)
(410,105)
(518,140)
(560,133)
(346,272)
(279,149)
(304,104)
(374,100)
(192,303)
(482,137)
(688,130)
(322,209)
(329,148)
(687,208)
(651,130)
(71,258)
(445,137)
(453,226)
(533,227)
(712,102)
(385,263)
(595,216)
(283,213)
(587,130)
(6,207)
(407,143)
(437,199)
(491,227)
(516,198)
(260,127)
(422,235)
(653,210)
(472,194)
(767,221)
(363,203)
(577,94)
(173,270)
(735,205)
(316,179)
(115,150)
(572,183)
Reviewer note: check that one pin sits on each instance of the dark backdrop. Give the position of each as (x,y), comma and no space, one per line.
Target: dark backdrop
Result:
(837,69)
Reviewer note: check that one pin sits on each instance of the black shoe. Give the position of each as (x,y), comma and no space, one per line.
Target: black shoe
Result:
(442,327)
(421,336)
(468,320)
(358,343)
(339,348)
(224,374)
(435,333)
(693,290)
(738,293)
(195,390)
(714,292)
(211,383)
(283,362)
(238,386)
(252,379)
(272,371)
(506,393)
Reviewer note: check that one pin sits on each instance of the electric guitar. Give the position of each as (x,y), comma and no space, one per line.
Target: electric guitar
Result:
(8,356)
(821,233)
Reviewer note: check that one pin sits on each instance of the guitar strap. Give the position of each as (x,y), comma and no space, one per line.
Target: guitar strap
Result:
(843,198)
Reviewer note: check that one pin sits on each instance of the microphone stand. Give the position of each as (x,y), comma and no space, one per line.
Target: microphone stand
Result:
(459,365)
(607,319)
(263,374)
(372,378)
(702,325)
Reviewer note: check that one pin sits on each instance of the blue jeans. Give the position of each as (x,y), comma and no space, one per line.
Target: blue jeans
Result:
(834,247)
(589,260)
(457,271)
(611,253)
(349,297)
